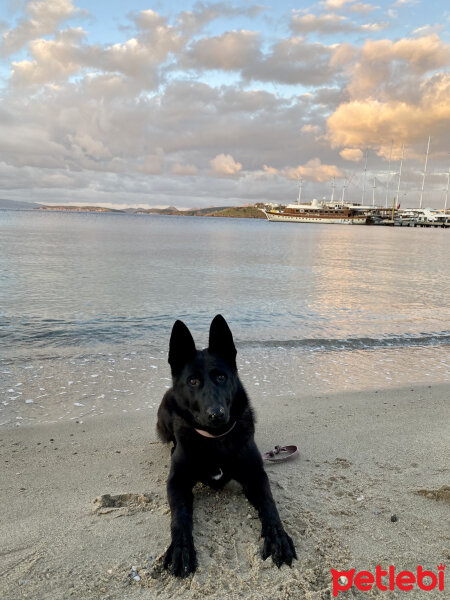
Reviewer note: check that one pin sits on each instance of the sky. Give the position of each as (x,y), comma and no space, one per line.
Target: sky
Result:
(194,104)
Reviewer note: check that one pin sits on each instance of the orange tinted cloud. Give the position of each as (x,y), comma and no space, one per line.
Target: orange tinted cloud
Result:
(373,122)
(393,95)
(180,169)
(224,164)
(313,170)
(378,64)
(353,154)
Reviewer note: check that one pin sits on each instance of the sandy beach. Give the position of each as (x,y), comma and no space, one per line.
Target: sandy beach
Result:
(85,513)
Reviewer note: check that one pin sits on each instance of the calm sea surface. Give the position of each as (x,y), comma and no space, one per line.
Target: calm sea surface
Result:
(326,306)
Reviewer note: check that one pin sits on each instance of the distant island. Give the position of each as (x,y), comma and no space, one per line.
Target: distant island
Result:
(240,212)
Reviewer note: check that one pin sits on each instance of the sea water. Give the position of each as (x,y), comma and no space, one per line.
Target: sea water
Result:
(88,300)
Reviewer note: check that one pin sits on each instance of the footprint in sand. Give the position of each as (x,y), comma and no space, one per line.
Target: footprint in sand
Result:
(442,494)
(124,504)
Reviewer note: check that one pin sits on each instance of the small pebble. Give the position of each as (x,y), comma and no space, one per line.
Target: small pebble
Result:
(394,518)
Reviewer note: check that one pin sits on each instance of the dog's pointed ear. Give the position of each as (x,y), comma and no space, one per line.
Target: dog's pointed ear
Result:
(181,347)
(221,341)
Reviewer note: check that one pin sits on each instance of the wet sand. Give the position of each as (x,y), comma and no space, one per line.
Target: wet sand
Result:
(364,457)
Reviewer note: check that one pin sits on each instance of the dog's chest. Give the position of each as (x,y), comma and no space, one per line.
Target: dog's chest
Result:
(215,472)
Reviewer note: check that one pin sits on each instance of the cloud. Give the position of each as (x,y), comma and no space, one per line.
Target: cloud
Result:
(371,122)
(313,170)
(180,169)
(42,18)
(156,34)
(308,128)
(224,164)
(363,8)
(352,154)
(326,23)
(57,180)
(330,23)
(334,5)
(343,54)
(230,51)
(328,98)
(152,163)
(394,93)
(52,60)
(384,65)
(291,61)
(139,58)
(151,118)
(191,22)
(426,30)
(90,146)
(351,5)
(424,53)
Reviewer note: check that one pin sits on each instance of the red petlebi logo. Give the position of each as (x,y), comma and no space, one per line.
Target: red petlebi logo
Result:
(388,580)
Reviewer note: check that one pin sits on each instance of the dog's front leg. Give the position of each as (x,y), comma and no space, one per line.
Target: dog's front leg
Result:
(277,542)
(180,556)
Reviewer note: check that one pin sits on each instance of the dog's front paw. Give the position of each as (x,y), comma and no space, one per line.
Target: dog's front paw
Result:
(279,545)
(181,558)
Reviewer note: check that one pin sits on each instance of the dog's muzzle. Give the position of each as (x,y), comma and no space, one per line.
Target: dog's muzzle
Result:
(216,415)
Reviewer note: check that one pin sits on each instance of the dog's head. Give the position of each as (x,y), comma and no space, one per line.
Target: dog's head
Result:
(204,381)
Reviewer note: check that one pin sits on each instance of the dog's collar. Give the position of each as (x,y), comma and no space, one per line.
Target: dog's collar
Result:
(210,435)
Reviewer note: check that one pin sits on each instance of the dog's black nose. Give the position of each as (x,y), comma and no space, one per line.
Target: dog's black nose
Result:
(215,415)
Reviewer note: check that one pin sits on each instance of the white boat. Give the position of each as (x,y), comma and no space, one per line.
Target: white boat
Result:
(422,216)
(318,212)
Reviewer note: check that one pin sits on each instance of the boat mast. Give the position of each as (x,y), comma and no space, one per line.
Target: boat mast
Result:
(364,181)
(300,183)
(389,177)
(424,172)
(333,185)
(400,175)
(446,191)
(344,187)
(373,191)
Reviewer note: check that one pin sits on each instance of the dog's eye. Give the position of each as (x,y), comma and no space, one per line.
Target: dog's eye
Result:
(221,378)
(193,381)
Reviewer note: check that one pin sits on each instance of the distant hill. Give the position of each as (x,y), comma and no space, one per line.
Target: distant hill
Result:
(248,212)
(171,210)
(239,212)
(80,208)
(245,212)
(17,205)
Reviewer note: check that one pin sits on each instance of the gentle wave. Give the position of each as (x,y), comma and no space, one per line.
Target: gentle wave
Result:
(357,343)
(47,333)
(59,332)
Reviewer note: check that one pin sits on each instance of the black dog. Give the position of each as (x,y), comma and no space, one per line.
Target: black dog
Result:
(208,417)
